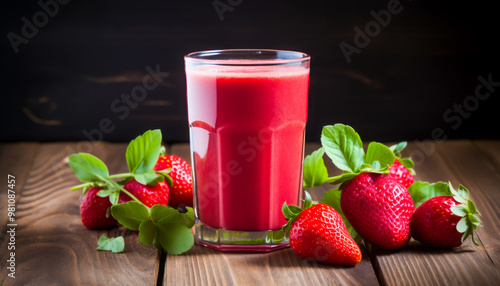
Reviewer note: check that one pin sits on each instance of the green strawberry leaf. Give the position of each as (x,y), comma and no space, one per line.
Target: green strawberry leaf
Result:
(189,217)
(292,212)
(105,192)
(161,214)
(462,225)
(463,193)
(175,238)
(166,174)
(459,210)
(149,178)
(379,156)
(422,191)
(173,227)
(130,214)
(340,179)
(396,149)
(344,147)
(147,232)
(315,172)
(332,198)
(407,162)
(287,212)
(115,245)
(114,197)
(143,152)
(88,168)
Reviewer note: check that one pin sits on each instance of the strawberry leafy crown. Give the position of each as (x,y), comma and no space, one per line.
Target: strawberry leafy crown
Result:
(345,148)
(470,220)
(407,162)
(292,212)
(161,225)
(466,209)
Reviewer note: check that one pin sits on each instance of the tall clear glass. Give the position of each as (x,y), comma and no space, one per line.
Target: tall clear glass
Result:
(247,112)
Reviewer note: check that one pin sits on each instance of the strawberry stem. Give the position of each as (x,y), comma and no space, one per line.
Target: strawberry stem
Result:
(123,175)
(127,193)
(81,186)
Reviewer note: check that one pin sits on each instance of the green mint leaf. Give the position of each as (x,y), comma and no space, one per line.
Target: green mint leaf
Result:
(380,156)
(147,232)
(143,152)
(422,191)
(344,147)
(88,168)
(130,214)
(332,198)
(115,245)
(315,172)
(175,238)
(149,178)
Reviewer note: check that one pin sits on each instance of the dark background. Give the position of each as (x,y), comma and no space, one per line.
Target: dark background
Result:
(63,81)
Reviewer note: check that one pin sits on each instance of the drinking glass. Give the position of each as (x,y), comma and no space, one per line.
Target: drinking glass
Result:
(247,112)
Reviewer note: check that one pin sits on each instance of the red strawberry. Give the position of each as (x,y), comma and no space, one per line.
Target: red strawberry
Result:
(379,209)
(402,168)
(319,233)
(446,221)
(94,210)
(148,195)
(181,192)
(401,174)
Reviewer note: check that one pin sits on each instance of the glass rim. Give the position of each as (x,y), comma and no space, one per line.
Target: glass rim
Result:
(243,57)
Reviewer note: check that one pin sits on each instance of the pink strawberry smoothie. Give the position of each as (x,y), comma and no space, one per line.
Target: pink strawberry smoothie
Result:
(247,132)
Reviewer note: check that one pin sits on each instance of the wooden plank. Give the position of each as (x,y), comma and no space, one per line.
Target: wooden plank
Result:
(16,160)
(458,162)
(477,169)
(205,266)
(52,245)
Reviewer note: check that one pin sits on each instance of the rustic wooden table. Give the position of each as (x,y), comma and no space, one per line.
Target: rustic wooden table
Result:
(53,248)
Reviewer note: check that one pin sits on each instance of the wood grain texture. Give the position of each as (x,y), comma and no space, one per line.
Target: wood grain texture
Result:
(52,245)
(16,160)
(205,266)
(415,264)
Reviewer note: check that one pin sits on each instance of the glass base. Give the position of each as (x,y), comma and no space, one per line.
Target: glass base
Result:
(231,240)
